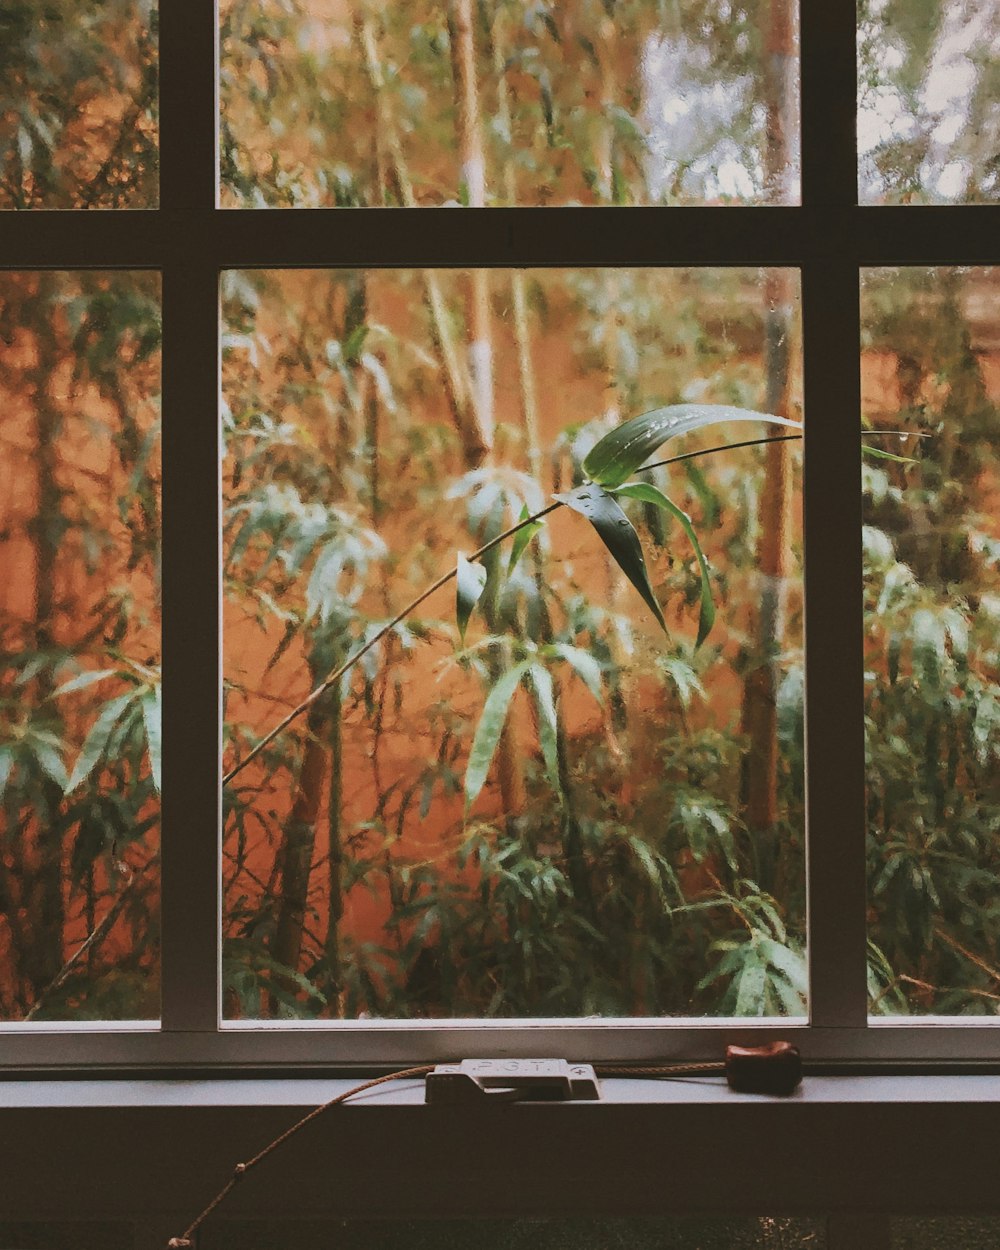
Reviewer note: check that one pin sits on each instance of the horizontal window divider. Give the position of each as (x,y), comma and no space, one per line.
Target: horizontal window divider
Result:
(381,238)
(354,1048)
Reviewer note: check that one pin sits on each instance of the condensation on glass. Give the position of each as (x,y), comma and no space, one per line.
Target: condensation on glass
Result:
(929,101)
(79,646)
(363,102)
(78,104)
(931,372)
(635,847)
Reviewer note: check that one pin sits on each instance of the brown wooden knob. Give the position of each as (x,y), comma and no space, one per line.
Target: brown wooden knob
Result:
(775,1068)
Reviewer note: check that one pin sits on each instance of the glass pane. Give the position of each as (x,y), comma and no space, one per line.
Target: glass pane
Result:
(78,104)
(634,841)
(746,1232)
(929,101)
(79,646)
(932,621)
(502,103)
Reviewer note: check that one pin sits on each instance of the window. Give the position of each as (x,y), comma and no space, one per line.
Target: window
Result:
(189,248)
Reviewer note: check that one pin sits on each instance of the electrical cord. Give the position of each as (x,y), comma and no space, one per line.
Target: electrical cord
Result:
(740,1063)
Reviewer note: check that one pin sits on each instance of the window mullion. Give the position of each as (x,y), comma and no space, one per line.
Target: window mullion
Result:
(191,633)
(832,503)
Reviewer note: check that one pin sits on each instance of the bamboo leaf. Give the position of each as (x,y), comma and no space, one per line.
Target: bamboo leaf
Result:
(82,681)
(618,454)
(583,664)
(50,762)
(878,454)
(541,681)
(521,539)
(617,534)
(152,718)
(647,493)
(487,735)
(470,582)
(96,740)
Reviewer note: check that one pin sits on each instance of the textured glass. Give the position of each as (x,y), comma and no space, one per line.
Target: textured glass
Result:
(361,102)
(929,101)
(631,841)
(78,104)
(79,646)
(675,1233)
(931,371)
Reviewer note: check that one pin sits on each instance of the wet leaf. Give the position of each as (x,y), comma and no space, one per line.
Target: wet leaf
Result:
(618,454)
(647,493)
(618,535)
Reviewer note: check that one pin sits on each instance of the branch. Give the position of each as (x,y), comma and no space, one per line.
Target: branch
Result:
(443,580)
(93,940)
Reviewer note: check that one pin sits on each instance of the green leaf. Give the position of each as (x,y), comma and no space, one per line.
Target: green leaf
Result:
(618,454)
(82,681)
(750,988)
(877,453)
(521,539)
(541,681)
(583,664)
(96,740)
(6,767)
(470,582)
(788,962)
(647,493)
(617,534)
(487,735)
(152,718)
(50,762)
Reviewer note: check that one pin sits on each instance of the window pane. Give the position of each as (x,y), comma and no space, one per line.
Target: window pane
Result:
(929,101)
(79,646)
(635,846)
(326,102)
(932,622)
(78,104)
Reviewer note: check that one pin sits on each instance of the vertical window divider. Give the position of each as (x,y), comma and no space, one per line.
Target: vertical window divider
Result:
(835,760)
(191,515)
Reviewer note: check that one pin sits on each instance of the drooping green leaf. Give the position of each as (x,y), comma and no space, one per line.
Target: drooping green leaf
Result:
(750,987)
(470,582)
(152,718)
(487,735)
(96,740)
(82,681)
(541,682)
(521,539)
(618,535)
(616,457)
(647,493)
(583,664)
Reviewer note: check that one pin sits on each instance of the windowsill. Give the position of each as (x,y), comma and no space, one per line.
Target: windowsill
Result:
(159,1149)
(309,1092)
